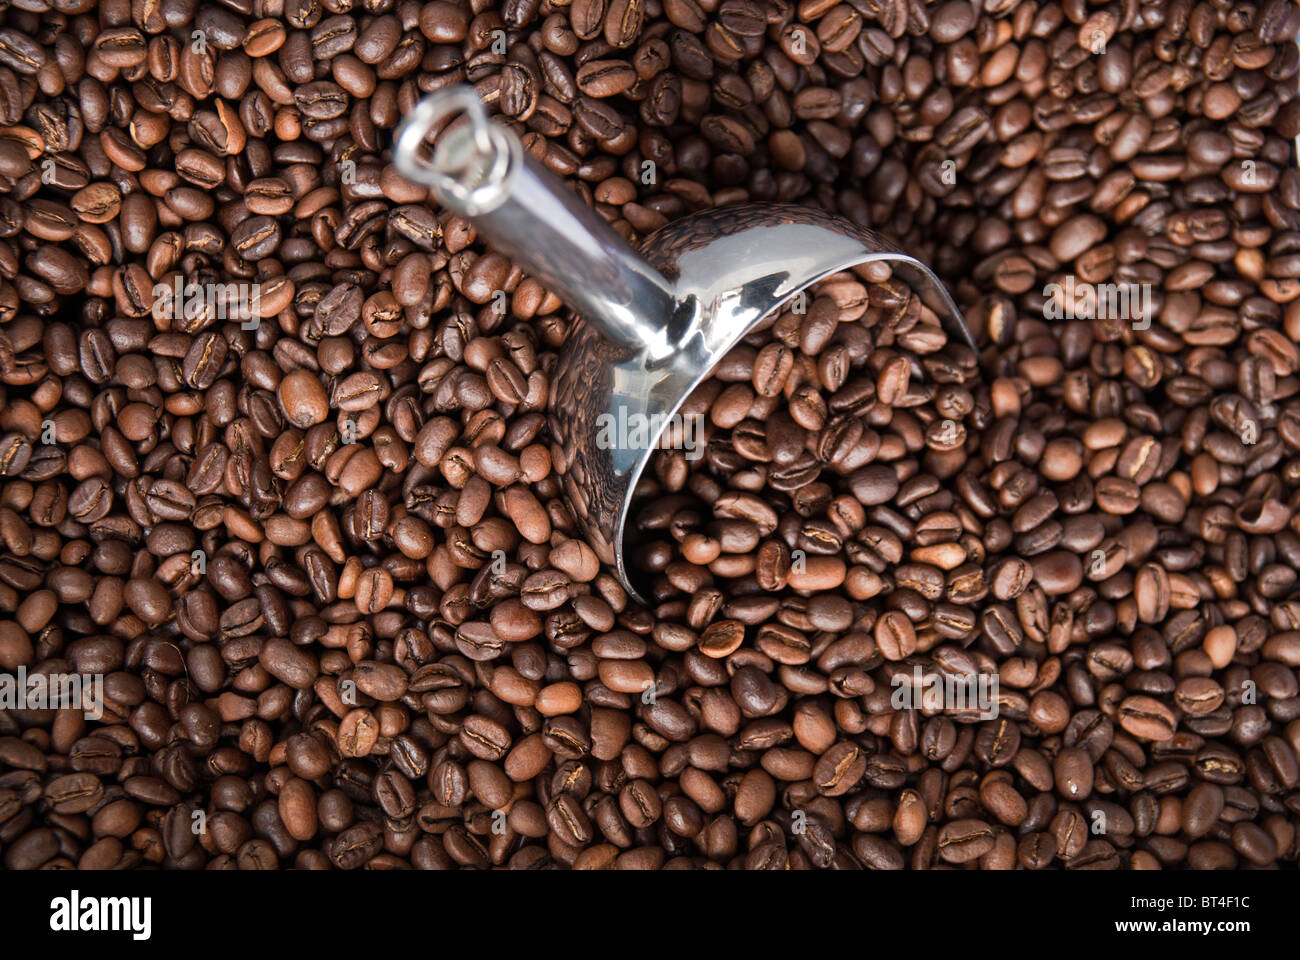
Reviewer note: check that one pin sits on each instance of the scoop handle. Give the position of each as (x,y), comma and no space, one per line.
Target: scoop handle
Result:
(481,172)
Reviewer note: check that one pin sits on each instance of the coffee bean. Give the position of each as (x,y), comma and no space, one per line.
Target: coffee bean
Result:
(1147,718)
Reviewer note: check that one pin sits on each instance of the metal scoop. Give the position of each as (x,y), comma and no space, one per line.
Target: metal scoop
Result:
(654,323)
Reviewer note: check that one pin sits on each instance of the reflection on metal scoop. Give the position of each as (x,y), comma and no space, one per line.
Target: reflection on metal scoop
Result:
(653,324)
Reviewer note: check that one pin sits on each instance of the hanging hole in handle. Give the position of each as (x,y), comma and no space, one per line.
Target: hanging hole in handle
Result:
(448,143)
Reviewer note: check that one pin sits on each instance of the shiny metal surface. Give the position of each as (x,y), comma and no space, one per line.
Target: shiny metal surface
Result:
(469,166)
(654,325)
(531,216)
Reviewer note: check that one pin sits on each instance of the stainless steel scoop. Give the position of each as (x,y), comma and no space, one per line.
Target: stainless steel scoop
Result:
(653,324)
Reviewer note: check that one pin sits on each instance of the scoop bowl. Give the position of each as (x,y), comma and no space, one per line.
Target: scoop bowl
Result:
(654,322)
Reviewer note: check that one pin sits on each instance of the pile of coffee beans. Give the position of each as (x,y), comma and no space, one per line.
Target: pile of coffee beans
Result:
(813,424)
(274,461)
